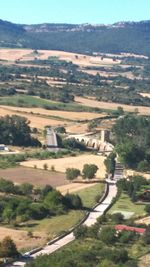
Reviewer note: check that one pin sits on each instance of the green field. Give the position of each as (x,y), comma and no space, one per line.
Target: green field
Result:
(57,224)
(88,195)
(31,101)
(126,205)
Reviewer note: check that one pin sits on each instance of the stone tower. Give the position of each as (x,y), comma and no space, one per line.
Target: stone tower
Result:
(105,134)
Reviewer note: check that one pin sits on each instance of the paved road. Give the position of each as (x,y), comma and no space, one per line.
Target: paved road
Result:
(91,219)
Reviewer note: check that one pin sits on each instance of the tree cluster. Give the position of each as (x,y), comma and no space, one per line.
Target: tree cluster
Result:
(8,248)
(132,136)
(24,202)
(88,172)
(15,130)
(133,186)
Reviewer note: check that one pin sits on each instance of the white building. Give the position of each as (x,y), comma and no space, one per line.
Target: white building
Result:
(3,147)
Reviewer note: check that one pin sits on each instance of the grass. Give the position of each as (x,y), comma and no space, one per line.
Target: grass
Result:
(58,224)
(137,250)
(125,204)
(24,101)
(31,101)
(48,228)
(88,195)
(55,225)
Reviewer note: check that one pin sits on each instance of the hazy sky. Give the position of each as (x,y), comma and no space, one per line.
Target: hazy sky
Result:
(74,11)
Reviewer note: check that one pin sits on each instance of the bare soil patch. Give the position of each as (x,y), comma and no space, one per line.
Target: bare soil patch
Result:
(145,220)
(34,176)
(145,261)
(145,95)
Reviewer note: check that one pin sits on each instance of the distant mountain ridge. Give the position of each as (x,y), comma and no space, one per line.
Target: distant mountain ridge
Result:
(59,27)
(83,38)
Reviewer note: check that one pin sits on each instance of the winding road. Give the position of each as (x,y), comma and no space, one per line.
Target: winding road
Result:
(90,220)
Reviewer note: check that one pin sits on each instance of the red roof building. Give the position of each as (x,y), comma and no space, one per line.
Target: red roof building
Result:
(121,227)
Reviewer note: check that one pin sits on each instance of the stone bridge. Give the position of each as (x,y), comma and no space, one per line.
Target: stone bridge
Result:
(91,142)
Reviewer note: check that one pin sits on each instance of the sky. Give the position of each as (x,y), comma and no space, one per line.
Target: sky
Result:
(74,11)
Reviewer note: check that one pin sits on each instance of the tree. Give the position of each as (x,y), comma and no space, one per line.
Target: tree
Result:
(8,214)
(26,189)
(48,188)
(8,248)
(117,217)
(15,130)
(45,166)
(73,201)
(72,173)
(106,263)
(147,208)
(89,170)
(143,166)
(6,186)
(72,143)
(81,232)
(37,211)
(120,111)
(146,236)
(96,79)
(108,235)
(110,163)
(132,135)
(126,236)
(54,202)
(60,129)
(91,125)
(130,154)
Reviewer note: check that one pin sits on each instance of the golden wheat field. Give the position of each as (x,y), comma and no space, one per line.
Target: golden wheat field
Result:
(106,105)
(35,121)
(58,113)
(62,164)
(78,59)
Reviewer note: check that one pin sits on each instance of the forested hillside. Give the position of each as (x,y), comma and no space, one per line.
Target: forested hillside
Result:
(85,38)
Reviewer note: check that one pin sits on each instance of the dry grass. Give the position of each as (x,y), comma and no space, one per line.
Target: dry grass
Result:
(77,128)
(73,187)
(36,177)
(35,121)
(113,106)
(145,220)
(63,114)
(13,54)
(145,95)
(81,60)
(108,73)
(70,162)
(21,239)
(43,230)
(131,172)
